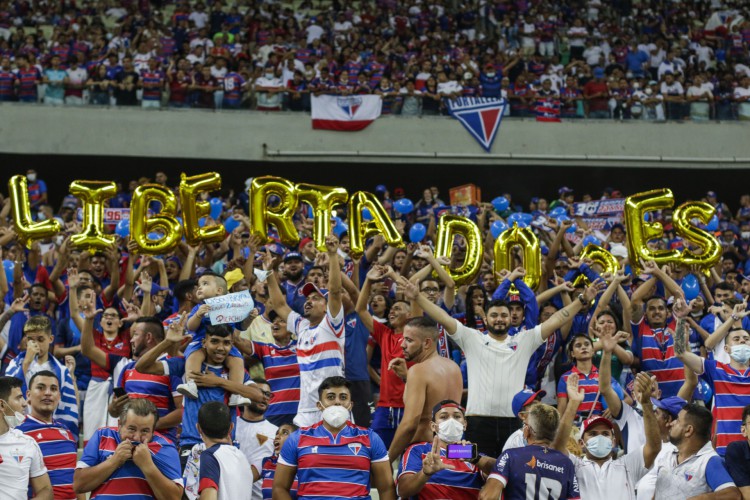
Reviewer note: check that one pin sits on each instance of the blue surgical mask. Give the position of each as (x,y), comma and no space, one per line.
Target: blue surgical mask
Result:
(599,446)
(740,353)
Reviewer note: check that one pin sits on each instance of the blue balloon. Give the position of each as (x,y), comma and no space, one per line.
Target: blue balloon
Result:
(521,224)
(562,217)
(559,210)
(515,217)
(403,206)
(8,267)
(230,224)
(497,228)
(201,222)
(527,218)
(572,229)
(366,215)
(591,240)
(217,206)
(340,228)
(501,203)
(417,233)
(123,228)
(691,286)
(713,224)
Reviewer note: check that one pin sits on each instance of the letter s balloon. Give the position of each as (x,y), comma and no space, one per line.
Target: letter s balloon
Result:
(711,247)
(451,226)
(27,230)
(165,221)
(280,215)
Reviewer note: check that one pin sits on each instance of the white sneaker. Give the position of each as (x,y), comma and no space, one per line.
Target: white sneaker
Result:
(237,400)
(189,389)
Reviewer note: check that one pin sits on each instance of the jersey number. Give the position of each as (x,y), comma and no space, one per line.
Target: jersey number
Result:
(549,489)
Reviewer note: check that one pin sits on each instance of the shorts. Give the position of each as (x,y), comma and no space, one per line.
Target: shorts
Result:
(196,345)
(385,420)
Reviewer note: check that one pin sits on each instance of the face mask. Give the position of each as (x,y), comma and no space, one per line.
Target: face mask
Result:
(31,177)
(599,446)
(745,235)
(491,74)
(450,431)
(14,420)
(41,216)
(740,353)
(335,416)
(269,76)
(157,307)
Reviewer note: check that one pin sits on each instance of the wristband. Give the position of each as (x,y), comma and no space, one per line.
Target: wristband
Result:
(735,317)
(581,299)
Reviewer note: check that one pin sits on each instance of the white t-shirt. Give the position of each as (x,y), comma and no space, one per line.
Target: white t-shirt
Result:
(577,30)
(515,440)
(631,424)
(592,55)
(199,18)
(450,87)
(225,466)
(615,480)
(495,369)
(21,460)
(647,485)
(313,33)
(256,443)
(320,354)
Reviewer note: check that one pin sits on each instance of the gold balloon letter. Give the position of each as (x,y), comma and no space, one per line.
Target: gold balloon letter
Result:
(600,256)
(641,232)
(449,227)
(261,214)
(93,194)
(27,230)
(192,209)
(165,222)
(322,199)
(711,247)
(532,253)
(359,230)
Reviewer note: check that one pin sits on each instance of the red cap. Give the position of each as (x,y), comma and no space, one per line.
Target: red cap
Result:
(304,242)
(587,424)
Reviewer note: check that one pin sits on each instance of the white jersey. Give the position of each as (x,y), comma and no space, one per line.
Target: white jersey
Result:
(320,354)
(646,486)
(20,460)
(704,472)
(222,467)
(515,440)
(256,443)
(614,480)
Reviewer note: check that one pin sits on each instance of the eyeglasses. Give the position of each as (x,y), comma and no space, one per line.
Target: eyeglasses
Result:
(430,290)
(267,394)
(110,316)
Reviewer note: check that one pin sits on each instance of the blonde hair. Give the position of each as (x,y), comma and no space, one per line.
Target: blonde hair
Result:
(543,420)
(39,323)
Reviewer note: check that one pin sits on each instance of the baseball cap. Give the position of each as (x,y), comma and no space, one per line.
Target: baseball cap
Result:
(671,405)
(69,204)
(591,422)
(525,398)
(446,404)
(380,188)
(275,248)
(304,242)
(292,256)
(233,277)
(310,288)
(711,194)
(598,72)
(564,190)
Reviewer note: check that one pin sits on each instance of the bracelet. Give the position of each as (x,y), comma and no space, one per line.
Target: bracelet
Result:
(735,317)
(581,299)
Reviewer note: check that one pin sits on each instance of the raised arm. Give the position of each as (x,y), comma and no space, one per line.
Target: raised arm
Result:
(433,311)
(278,301)
(681,350)
(73,298)
(88,347)
(566,314)
(561,286)
(638,297)
(361,309)
(414,397)
(605,375)
(148,362)
(113,261)
(575,398)
(334,275)
(722,331)
(644,384)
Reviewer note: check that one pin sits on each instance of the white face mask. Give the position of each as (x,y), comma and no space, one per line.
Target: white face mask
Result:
(335,416)
(269,76)
(450,431)
(14,420)
(745,235)
(31,177)
(157,307)
(491,74)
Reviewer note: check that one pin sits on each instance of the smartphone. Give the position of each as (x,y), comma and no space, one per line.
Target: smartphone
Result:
(119,392)
(462,451)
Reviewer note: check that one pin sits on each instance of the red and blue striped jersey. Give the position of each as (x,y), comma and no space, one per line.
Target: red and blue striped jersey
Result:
(128,482)
(590,384)
(731,395)
(233,84)
(267,474)
(282,373)
(59,450)
(463,482)
(536,473)
(159,389)
(153,82)
(376,71)
(326,463)
(655,348)
(27,78)
(7,79)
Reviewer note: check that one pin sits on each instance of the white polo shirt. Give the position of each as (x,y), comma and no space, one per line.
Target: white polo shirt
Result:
(256,443)
(496,370)
(647,484)
(20,460)
(704,472)
(614,480)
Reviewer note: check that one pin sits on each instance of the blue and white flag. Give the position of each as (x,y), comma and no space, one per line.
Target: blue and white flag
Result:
(480,116)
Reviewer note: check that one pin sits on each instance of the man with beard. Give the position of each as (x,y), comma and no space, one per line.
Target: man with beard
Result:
(694,468)
(320,331)
(255,435)
(496,363)
(145,333)
(58,446)
(390,408)
(431,379)
(294,279)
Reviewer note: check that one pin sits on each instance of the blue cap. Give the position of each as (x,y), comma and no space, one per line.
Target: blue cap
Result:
(598,72)
(292,255)
(380,188)
(564,190)
(524,398)
(671,405)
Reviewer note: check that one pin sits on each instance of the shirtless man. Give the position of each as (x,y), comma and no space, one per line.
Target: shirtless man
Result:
(431,379)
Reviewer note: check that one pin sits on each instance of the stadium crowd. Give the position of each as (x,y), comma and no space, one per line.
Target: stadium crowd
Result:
(644,60)
(345,366)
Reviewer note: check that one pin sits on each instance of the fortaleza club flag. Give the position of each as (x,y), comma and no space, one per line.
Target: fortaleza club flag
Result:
(480,116)
(345,113)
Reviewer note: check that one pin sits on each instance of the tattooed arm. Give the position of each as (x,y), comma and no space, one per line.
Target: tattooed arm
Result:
(566,314)
(681,346)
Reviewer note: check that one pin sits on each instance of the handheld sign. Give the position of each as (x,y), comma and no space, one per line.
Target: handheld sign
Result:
(230,308)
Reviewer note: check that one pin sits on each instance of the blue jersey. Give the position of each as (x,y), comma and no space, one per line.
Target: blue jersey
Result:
(355,348)
(326,463)
(128,482)
(200,334)
(462,482)
(536,473)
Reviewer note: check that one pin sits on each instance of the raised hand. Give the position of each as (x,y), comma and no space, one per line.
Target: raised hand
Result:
(132,310)
(649,266)
(680,309)
(593,289)
(73,279)
(70,364)
(332,244)
(643,385)
(444,261)
(608,342)
(268,261)
(432,462)
(411,292)
(575,394)
(20,304)
(376,273)
(175,333)
(398,366)
(146,282)
(90,311)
